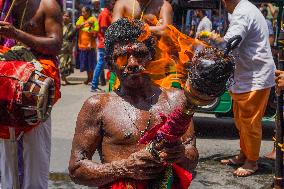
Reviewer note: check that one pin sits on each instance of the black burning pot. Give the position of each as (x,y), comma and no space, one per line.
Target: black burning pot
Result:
(209,73)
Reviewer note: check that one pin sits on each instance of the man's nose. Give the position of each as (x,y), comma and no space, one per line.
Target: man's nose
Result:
(133,64)
(132,61)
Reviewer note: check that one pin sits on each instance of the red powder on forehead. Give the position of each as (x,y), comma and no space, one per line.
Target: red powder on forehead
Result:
(130,49)
(173,50)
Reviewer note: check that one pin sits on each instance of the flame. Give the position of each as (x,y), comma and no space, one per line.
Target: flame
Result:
(174,50)
(121,61)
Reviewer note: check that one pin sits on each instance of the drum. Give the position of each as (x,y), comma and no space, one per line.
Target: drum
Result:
(26,95)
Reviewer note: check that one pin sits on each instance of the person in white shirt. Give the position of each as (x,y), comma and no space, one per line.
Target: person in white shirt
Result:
(253,78)
(205,23)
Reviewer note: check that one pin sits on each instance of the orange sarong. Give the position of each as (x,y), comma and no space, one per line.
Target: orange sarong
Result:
(249,109)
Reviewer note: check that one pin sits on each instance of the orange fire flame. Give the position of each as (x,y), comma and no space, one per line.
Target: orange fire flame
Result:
(174,50)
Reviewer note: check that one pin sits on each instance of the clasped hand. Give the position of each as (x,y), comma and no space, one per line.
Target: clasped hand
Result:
(7,30)
(143,165)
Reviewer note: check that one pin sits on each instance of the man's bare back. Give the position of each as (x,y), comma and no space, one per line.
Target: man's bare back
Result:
(41,26)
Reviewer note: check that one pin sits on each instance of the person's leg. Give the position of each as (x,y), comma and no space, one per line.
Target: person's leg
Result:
(240,158)
(103,74)
(83,58)
(102,78)
(91,63)
(6,164)
(271,155)
(248,120)
(98,69)
(37,146)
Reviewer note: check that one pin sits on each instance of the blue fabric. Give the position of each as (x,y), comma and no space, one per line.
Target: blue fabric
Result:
(21,161)
(99,68)
(87,60)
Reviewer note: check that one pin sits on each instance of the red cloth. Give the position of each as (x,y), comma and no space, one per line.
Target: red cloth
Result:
(104,22)
(1,4)
(171,128)
(10,75)
(126,184)
(182,181)
(183,176)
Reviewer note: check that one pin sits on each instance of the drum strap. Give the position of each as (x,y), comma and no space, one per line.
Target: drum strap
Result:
(33,85)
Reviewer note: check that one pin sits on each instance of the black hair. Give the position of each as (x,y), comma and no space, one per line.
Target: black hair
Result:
(88,9)
(68,12)
(264,11)
(125,31)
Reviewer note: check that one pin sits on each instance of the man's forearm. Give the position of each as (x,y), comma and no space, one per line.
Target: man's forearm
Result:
(272,10)
(89,173)
(158,30)
(44,45)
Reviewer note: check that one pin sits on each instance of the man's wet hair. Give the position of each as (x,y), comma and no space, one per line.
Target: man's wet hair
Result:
(125,31)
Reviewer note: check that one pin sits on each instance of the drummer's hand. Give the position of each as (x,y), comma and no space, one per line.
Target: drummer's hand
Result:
(7,30)
(279,81)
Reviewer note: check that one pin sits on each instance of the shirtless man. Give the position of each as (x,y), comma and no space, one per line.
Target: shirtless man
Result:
(37,25)
(112,123)
(41,27)
(145,10)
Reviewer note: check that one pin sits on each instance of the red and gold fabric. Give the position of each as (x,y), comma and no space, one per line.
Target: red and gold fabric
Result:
(181,179)
(17,72)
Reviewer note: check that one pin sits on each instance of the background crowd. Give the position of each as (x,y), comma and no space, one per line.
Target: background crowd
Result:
(83,49)
(83,40)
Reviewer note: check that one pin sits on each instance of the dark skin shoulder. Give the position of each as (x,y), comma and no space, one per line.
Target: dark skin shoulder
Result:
(111,125)
(41,27)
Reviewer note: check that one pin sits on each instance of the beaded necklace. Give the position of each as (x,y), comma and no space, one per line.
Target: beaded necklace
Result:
(128,134)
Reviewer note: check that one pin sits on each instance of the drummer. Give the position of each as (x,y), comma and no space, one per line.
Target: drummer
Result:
(37,25)
(254,76)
